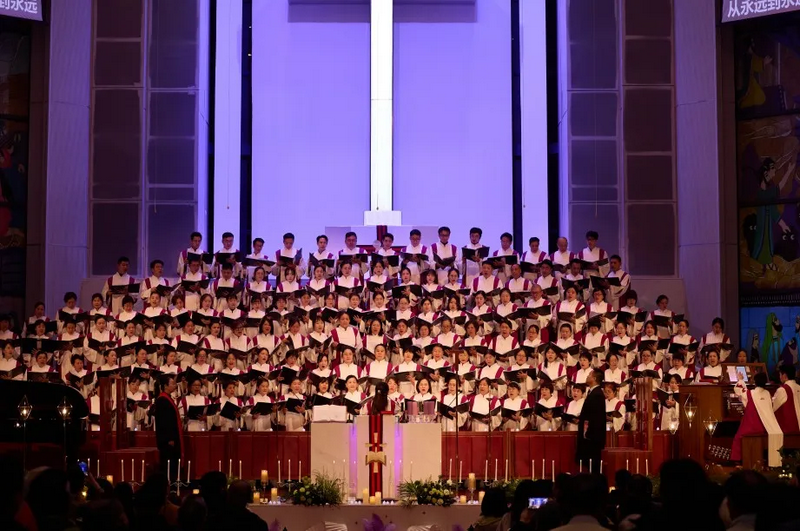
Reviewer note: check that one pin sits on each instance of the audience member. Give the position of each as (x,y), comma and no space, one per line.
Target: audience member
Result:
(236,516)
(192,514)
(586,503)
(493,507)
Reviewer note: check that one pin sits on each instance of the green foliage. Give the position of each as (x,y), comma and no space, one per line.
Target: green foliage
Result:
(441,493)
(508,486)
(322,490)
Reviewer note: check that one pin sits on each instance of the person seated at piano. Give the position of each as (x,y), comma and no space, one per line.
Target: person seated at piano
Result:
(493,372)
(717,337)
(615,374)
(431,288)
(101,334)
(741,356)
(506,307)
(9,362)
(137,410)
(575,407)
(758,418)
(483,408)
(631,298)
(240,342)
(261,369)
(786,400)
(615,408)
(620,342)
(141,362)
(662,310)
(437,362)
(670,410)
(583,369)
(514,402)
(520,363)
(648,364)
(189,337)
(566,341)
(405,371)
(599,309)
(452,398)
(76,376)
(712,371)
(683,338)
(548,399)
(195,398)
(353,395)
(256,421)
(202,367)
(553,371)
(570,311)
(322,370)
(230,394)
(595,342)
(679,367)
(487,282)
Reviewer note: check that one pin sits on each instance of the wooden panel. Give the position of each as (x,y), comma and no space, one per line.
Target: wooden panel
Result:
(475,450)
(708,399)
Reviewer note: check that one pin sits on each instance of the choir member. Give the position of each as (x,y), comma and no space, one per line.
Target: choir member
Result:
(416,258)
(349,281)
(670,408)
(614,404)
(214,342)
(741,356)
(440,368)
(493,372)
(191,297)
(454,287)
(444,256)
(552,371)
(401,332)
(533,340)
(38,315)
(718,337)
(265,338)
(99,308)
(471,268)
(575,407)
(481,308)
(155,279)
(385,249)
(260,368)
(447,337)
(226,255)
(323,391)
(128,315)
(291,363)
(452,398)
(195,240)
(630,313)
(351,248)
(256,313)
(424,391)
(406,282)
(374,337)
(322,370)
(593,254)
(712,372)
(786,400)
(129,342)
(394,392)
(615,293)
(101,334)
(503,343)
(533,256)
(561,257)
(526,384)
(595,342)
(571,311)
(70,307)
(229,394)
(322,253)
(347,367)
(319,286)
(758,418)
(514,402)
(259,286)
(547,282)
(679,368)
(583,369)
(682,337)
(70,335)
(465,369)
(519,286)
(238,341)
(226,280)
(615,374)
(136,412)
(75,376)
(171,366)
(648,364)
(406,374)
(344,334)
(195,398)
(255,421)
(483,408)
(662,311)
(504,270)
(620,342)
(143,365)
(204,369)
(575,274)
(9,362)
(567,341)
(109,362)
(118,279)
(505,307)
(178,310)
(548,399)
(601,310)
(41,364)
(354,395)
(288,251)
(188,337)
(487,283)
(431,290)
(380,367)
(649,337)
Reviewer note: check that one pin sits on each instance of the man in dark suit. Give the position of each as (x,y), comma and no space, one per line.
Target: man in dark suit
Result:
(592,421)
(169,435)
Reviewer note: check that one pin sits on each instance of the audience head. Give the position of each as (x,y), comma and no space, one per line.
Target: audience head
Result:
(494,503)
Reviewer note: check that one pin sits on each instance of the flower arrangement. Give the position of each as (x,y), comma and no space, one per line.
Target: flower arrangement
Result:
(322,490)
(508,486)
(440,493)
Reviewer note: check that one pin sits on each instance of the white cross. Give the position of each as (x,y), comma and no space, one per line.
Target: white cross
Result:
(381,29)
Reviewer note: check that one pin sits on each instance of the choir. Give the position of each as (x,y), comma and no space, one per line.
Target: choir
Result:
(495,340)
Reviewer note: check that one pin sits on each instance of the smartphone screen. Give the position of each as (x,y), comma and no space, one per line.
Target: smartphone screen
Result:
(84,468)
(535,503)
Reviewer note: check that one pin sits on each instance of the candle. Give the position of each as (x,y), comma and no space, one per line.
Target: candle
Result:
(553,466)
(240,469)
(230,467)
(289,478)
(133,470)
(279,472)
(486,471)
(601,466)
(98,468)
(450,470)
(179,470)
(647,467)
(506,471)
(462,499)
(543,474)
(480,496)
(365,495)
(256,497)
(189,472)
(89,465)
(372,500)
(378,497)
(580,466)
(122,470)
(264,478)
(590,466)
(300,470)
(274,494)
(220,466)
(637,465)
(168,467)
(196,492)
(626,465)
(110,479)
(533,471)
(460,465)
(471,481)
(495,470)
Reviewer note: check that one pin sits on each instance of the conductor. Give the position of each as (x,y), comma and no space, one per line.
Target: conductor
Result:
(592,421)
(169,435)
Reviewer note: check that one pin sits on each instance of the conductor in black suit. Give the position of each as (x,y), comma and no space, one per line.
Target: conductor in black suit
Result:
(592,421)
(168,426)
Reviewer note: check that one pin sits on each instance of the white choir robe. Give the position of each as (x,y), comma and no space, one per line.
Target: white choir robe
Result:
(505,273)
(528,384)
(486,327)
(483,405)
(514,404)
(205,369)
(147,287)
(615,293)
(192,298)
(449,400)
(570,307)
(615,404)
(377,369)
(472,269)
(216,267)
(617,376)
(269,342)
(716,339)
(356,397)
(184,358)
(574,408)
(280,271)
(241,343)
(635,328)
(652,366)
(601,308)
(342,302)
(125,356)
(427,292)
(579,376)
(63,357)
(84,391)
(226,424)
(124,316)
(415,268)
(542,321)
(344,370)
(252,331)
(686,373)
(437,387)
(176,370)
(261,370)
(11,364)
(453,315)
(110,326)
(144,385)
(94,409)
(263,288)
(369,342)
(150,312)
(324,255)
(659,354)
(502,346)
(558,375)
(92,355)
(406,388)
(487,285)
(389,270)
(707,373)
(356,269)
(519,287)
(114,302)
(215,343)
(664,332)
(346,336)
(285,386)
(183,261)
(250,271)
(627,357)
(493,372)
(550,282)
(570,361)
(194,400)
(444,251)
(561,259)
(549,425)
(535,258)
(221,303)
(668,414)
(683,339)
(468,386)
(60,328)
(591,341)
(762,402)
(175,313)
(504,309)
(135,418)
(262,422)
(595,255)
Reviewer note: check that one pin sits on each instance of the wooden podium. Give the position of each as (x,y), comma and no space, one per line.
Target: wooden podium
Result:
(710,402)
(637,459)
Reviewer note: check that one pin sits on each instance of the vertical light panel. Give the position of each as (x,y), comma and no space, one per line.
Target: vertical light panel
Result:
(533,104)
(563,118)
(203,50)
(381,60)
(227,120)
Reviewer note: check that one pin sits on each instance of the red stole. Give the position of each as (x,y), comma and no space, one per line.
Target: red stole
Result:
(786,414)
(177,417)
(751,425)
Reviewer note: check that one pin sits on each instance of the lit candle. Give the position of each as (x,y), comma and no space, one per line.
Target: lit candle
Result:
(372,500)
(110,479)
(647,467)
(590,466)
(601,466)
(289,471)
(543,473)
(471,481)
(274,494)
(300,470)
(637,465)
(122,470)
(196,492)
(240,469)
(179,470)
(533,471)
(378,497)
(450,470)
(230,467)
(89,465)
(220,466)
(168,467)
(365,495)
(506,471)
(553,467)
(256,497)
(264,478)
(486,471)
(627,467)
(279,472)
(142,470)
(580,466)
(133,470)
(495,470)
(462,499)
(460,466)
(480,496)
(189,472)
(98,468)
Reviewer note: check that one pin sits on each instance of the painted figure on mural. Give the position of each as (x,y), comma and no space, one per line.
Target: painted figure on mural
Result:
(751,70)
(13,185)
(789,354)
(768,215)
(773,338)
